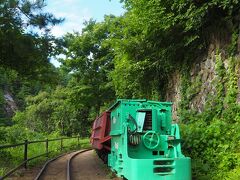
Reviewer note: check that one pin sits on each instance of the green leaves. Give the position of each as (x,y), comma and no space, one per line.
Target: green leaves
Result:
(212,136)
(131,56)
(90,58)
(24,51)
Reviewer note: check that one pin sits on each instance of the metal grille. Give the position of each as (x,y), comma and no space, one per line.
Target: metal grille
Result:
(148,121)
(164,167)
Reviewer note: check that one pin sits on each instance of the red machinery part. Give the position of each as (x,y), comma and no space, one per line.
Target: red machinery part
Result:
(100,138)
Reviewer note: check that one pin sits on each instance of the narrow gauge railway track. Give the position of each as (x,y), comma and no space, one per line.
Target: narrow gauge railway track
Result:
(69,163)
(59,167)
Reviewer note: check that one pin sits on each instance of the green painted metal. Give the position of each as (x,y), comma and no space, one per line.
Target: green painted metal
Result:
(151,140)
(144,142)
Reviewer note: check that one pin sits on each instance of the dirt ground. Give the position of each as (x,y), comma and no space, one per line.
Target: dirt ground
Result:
(85,166)
(90,167)
(57,169)
(23,174)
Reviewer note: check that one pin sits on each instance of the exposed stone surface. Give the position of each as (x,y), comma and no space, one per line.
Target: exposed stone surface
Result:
(203,81)
(10,106)
(173,93)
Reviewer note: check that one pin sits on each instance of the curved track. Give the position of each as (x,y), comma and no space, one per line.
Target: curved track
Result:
(59,167)
(78,165)
(69,164)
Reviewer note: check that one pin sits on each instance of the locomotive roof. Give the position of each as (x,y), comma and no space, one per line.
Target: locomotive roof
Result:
(136,100)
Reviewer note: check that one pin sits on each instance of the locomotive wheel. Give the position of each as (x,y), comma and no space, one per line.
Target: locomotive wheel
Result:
(151,140)
(105,159)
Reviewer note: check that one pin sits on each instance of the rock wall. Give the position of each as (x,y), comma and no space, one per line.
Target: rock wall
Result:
(203,77)
(173,93)
(10,106)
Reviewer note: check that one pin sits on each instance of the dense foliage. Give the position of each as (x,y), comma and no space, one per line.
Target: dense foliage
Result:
(89,57)
(212,137)
(22,49)
(25,47)
(157,37)
(131,56)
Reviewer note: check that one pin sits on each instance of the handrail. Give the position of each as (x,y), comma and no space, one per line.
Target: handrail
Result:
(26,159)
(11,145)
(20,165)
(32,142)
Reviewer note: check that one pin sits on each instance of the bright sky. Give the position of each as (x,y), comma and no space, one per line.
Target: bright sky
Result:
(76,12)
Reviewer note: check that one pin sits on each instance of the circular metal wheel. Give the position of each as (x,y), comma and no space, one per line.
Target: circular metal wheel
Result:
(151,140)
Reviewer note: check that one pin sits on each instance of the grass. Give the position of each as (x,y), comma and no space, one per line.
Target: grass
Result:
(12,157)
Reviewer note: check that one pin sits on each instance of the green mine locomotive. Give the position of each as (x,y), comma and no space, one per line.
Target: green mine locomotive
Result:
(138,141)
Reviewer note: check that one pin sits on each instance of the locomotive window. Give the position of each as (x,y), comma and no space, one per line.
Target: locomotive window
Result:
(140,120)
(147,120)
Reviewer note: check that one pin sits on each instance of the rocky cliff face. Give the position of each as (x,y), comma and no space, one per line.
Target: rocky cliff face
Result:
(203,78)
(10,106)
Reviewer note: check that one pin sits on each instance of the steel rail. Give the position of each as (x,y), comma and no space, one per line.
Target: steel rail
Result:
(41,172)
(69,176)
(47,163)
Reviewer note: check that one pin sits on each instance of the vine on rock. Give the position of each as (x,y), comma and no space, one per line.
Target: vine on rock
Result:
(212,136)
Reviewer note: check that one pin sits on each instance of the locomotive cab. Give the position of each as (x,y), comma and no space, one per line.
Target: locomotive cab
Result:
(144,142)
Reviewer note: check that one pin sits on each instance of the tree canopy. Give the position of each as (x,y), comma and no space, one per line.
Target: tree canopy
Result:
(129,56)
(25,40)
